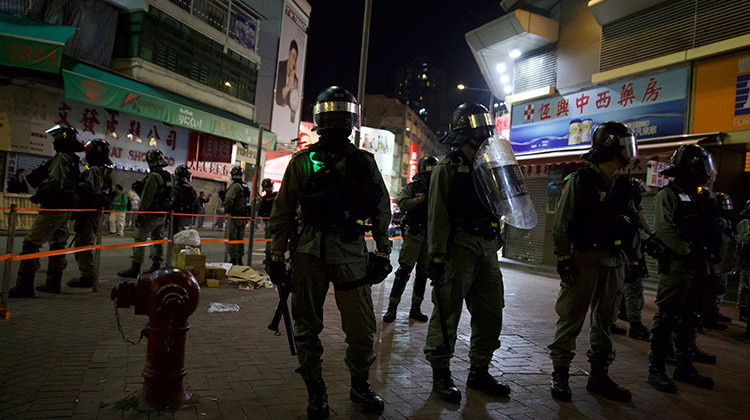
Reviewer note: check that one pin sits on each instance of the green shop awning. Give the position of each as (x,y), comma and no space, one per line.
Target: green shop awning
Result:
(32,45)
(99,87)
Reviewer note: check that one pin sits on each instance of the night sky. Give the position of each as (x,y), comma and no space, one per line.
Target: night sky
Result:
(399,31)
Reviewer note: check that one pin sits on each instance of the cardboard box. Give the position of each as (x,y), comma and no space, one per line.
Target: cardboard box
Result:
(217,273)
(177,247)
(195,264)
(212,283)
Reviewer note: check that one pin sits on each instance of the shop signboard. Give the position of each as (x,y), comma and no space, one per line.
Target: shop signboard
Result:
(306,135)
(653,106)
(290,69)
(32,112)
(210,157)
(722,94)
(413,161)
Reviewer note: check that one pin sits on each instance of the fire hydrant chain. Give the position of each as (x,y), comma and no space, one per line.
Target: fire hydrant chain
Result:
(119,328)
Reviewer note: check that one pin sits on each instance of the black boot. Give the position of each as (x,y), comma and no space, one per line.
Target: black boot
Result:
(639,331)
(658,378)
(154,266)
(390,314)
(616,329)
(559,385)
(700,356)
(52,285)
(481,380)
(363,394)
(24,286)
(600,383)
(443,385)
(687,373)
(132,272)
(317,399)
(83,281)
(416,312)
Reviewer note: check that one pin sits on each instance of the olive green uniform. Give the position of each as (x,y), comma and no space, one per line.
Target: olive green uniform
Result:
(598,279)
(328,257)
(87,224)
(50,226)
(150,225)
(680,291)
(632,290)
(472,274)
(235,204)
(413,250)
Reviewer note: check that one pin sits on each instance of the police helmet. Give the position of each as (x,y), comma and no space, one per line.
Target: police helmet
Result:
(469,121)
(691,160)
(97,152)
(266,183)
(155,159)
(182,171)
(236,173)
(612,140)
(65,138)
(426,164)
(724,201)
(335,108)
(746,211)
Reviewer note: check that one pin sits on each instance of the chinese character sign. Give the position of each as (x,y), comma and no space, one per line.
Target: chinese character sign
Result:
(722,94)
(653,106)
(413,161)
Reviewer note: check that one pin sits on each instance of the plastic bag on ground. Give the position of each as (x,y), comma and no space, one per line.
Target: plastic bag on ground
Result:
(187,237)
(223,307)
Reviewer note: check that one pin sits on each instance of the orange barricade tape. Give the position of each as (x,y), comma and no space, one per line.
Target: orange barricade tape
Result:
(213,240)
(55,252)
(134,244)
(6,257)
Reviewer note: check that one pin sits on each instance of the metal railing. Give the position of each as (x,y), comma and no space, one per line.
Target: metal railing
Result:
(224,15)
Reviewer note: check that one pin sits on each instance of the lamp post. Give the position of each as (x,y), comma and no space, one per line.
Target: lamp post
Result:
(462,86)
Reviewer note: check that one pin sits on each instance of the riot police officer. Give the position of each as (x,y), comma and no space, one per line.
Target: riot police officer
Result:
(682,223)
(155,197)
(412,199)
(236,205)
(743,288)
(184,198)
(55,183)
(337,187)
(463,239)
(266,200)
(594,226)
(92,188)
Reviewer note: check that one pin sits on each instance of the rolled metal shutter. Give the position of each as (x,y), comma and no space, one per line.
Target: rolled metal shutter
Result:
(537,70)
(528,245)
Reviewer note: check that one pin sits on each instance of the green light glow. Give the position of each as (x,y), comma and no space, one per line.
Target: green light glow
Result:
(317,164)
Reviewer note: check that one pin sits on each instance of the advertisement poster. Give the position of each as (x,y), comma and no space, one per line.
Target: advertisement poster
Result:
(653,106)
(380,143)
(306,135)
(130,137)
(722,94)
(290,69)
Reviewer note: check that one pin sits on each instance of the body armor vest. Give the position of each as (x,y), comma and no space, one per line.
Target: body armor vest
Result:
(162,200)
(602,218)
(336,202)
(239,207)
(465,208)
(185,196)
(266,204)
(416,218)
(58,199)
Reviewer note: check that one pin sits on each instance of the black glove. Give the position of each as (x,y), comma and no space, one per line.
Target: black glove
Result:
(565,269)
(379,267)
(276,269)
(436,268)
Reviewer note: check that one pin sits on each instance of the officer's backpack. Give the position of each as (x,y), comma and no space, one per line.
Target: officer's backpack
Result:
(38,175)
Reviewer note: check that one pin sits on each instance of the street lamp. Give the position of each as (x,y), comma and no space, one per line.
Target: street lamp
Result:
(462,86)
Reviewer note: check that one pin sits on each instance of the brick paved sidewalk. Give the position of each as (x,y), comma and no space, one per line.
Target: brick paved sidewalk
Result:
(62,356)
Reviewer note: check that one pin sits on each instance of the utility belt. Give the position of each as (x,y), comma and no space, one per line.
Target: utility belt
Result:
(486,228)
(351,231)
(415,228)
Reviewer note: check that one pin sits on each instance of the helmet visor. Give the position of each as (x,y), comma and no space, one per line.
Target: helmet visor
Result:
(628,147)
(709,166)
(480,120)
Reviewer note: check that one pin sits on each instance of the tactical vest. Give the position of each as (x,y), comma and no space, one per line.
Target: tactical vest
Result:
(691,216)
(266,204)
(416,218)
(336,202)
(184,196)
(162,200)
(88,198)
(601,219)
(66,197)
(239,207)
(465,208)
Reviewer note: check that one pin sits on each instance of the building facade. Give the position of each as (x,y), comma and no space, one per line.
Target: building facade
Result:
(675,71)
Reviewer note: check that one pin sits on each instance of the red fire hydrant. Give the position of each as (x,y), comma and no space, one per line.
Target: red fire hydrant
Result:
(168,297)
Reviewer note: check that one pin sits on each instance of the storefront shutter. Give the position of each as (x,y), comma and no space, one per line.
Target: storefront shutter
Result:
(528,245)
